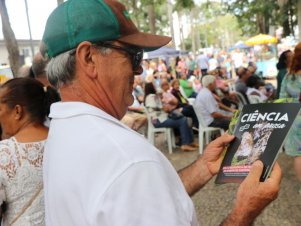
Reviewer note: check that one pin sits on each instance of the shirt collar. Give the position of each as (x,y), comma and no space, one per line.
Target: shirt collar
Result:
(62,110)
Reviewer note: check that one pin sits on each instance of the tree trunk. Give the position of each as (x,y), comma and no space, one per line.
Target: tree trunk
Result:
(10,40)
(136,14)
(260,23)
(59,2)
(197,38)
(193,47)
(299,18)
(169,7)
(152,18)
(181,31)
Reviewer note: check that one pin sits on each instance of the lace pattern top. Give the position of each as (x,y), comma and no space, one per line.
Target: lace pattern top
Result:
(20,179)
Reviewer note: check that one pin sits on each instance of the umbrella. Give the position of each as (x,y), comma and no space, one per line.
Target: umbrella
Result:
(261,39)
(239,45)
(164,52)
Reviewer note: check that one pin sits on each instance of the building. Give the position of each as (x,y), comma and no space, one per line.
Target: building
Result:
(24,50)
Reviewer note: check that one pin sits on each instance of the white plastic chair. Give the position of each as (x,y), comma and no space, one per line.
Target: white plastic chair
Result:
(190,99)
(205,130)
(241,100)
(151,131)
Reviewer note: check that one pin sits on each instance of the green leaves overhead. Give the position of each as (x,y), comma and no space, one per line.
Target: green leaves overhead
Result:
(184,4)
(259,16)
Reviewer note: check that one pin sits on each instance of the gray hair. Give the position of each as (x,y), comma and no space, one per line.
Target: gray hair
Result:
(207,80)
(61,69)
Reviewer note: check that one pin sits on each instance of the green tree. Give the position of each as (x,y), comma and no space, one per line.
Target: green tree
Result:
(255,16)
(183,7)
(286,18)
(147,14)
(216,26)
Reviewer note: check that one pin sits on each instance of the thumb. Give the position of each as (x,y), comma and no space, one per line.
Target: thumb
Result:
(224,140)
(255,172)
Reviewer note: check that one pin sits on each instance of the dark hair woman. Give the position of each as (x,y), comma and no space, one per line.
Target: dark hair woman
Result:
(282,66)
(24,106)
(291,88)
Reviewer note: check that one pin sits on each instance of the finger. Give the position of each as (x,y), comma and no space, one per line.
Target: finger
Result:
(224,140)
(255,172)
(276,173)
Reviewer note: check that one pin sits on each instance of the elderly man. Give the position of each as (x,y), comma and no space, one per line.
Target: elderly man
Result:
(97,171)
(214,114)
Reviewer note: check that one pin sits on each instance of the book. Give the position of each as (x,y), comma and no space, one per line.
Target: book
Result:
(259,130)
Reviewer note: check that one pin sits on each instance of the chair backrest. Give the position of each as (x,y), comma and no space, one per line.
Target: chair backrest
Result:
(254,99)
(241,99)
(199,115)
(149,120)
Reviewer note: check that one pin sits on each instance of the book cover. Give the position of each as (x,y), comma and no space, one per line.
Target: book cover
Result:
(259,130)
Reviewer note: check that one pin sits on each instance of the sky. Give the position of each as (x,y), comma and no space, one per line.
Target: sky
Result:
(38,10)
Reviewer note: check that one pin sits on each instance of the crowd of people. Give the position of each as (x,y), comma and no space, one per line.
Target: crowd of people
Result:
(80,162)
(188,91)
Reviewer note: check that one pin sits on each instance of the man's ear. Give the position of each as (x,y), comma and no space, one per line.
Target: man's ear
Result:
(18,112)
(86,58)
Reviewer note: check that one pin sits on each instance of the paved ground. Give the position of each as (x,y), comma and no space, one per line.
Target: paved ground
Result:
(214,202)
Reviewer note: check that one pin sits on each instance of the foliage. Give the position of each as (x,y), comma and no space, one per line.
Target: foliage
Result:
(287,17)
(254,16)
(216,26)
(259,16)
(138,10)
(184,4)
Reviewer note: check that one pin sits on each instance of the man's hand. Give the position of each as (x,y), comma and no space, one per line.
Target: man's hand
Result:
(196,175)
(253,196)
(212,156)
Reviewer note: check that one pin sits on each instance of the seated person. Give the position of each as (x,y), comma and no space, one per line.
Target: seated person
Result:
(253,84)
(240,85)
(169,101)
(187,87)
(208,107)
(183,104)
(135,117)
(252,67)
(221,93)
(138,89)
(160,118)
(243,74)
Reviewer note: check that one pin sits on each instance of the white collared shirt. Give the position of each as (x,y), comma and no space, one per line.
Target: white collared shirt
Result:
(205,104)
(99,172)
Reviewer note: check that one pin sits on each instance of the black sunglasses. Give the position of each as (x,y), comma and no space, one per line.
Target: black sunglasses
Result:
(135,53)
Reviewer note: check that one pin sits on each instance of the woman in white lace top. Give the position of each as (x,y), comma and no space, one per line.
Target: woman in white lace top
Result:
(24,106)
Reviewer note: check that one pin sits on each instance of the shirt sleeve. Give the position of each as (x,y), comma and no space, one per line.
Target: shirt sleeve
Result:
(145,195)
(211,104)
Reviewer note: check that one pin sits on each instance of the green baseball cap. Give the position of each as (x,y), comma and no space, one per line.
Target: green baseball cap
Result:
(76,21)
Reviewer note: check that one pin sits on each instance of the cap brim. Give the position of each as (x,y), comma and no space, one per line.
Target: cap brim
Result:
(148,42)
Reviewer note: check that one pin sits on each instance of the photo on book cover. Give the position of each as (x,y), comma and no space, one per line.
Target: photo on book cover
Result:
(260,130)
